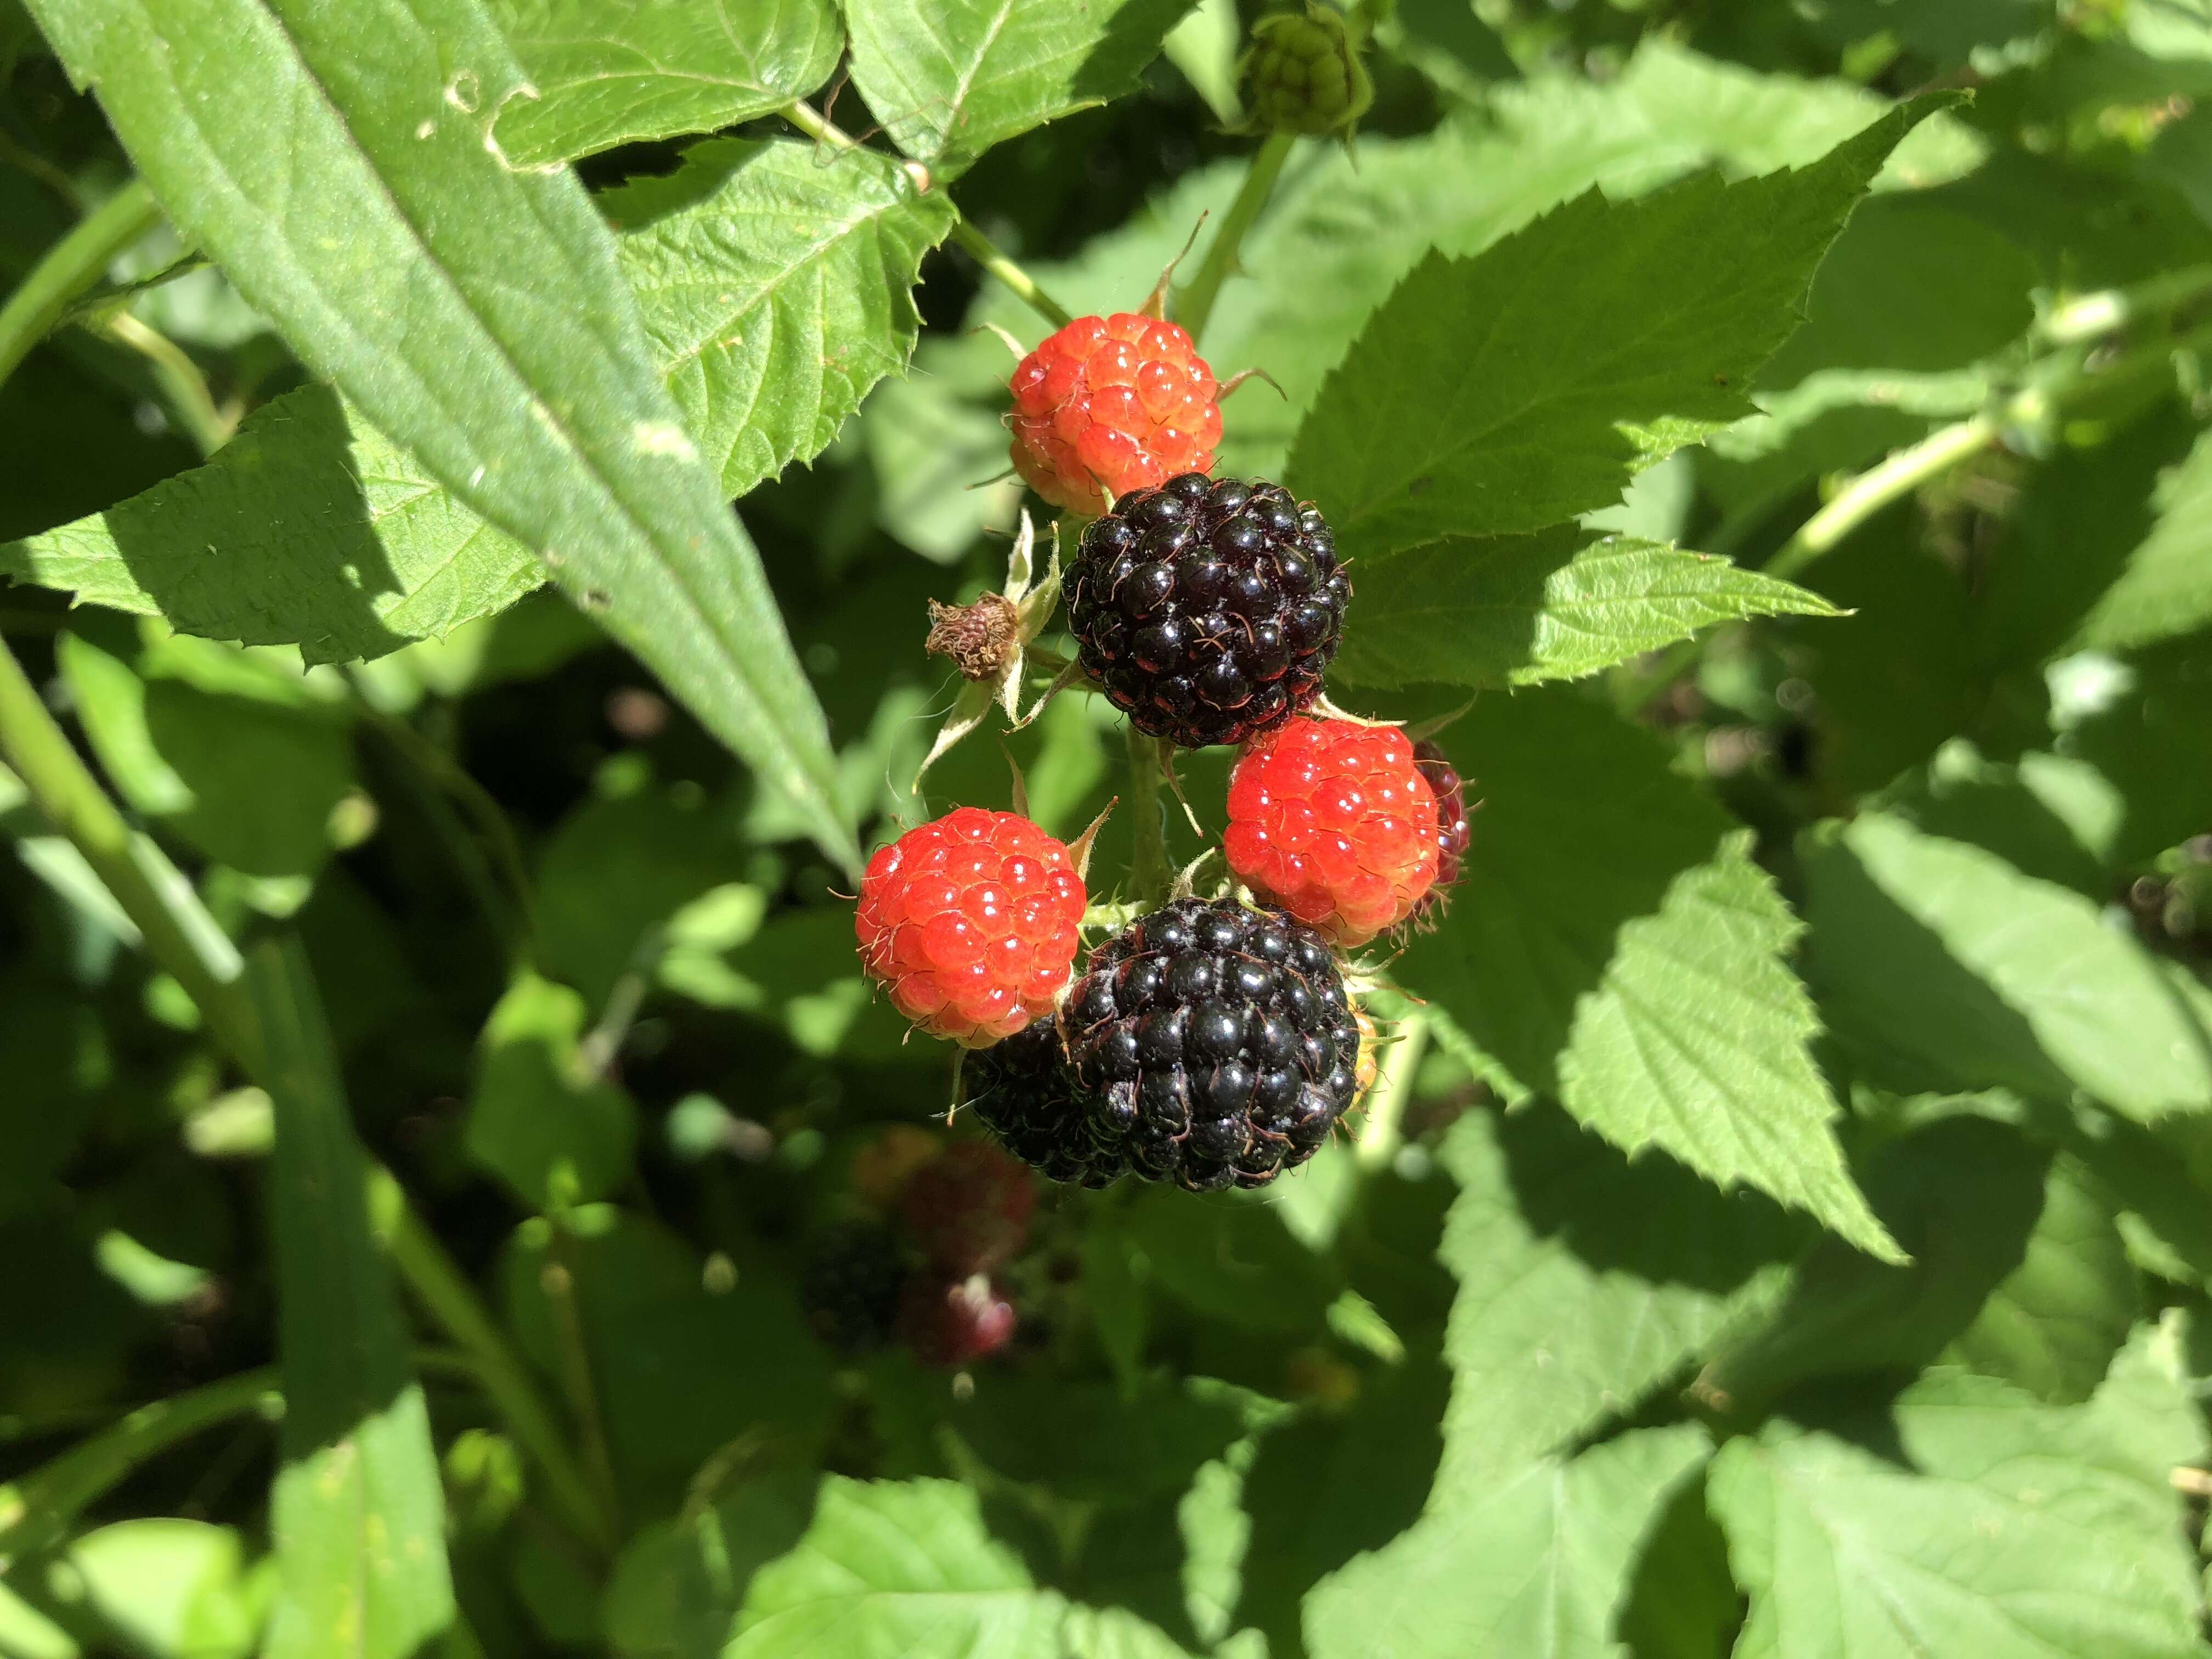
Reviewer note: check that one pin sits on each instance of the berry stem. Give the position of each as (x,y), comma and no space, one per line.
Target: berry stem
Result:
(1196,304)
(1150,872)
(979,247)
(987,254)
(1383,1132)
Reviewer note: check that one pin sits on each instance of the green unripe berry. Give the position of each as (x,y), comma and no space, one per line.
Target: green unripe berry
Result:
(1303,74)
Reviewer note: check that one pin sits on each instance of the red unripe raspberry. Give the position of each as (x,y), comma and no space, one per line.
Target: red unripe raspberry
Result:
(1454,830)
(1110,404)
(946,1322)
(1331,820)
(970,922)
(969,1208)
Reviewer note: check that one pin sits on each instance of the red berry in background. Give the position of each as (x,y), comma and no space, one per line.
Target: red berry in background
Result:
(1333,821)
(970,923)
(1110,404)
(970,1209)
(945,1321)
(1454,830)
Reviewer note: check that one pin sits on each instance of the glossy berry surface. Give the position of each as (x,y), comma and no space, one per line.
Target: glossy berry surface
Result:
(947,1321)
(1208,609)
(969,1208)
(1455,829)
(1334,821)
(1024,1092)
(970,923)
(1212,1045)
(1112,404)
(849,1287)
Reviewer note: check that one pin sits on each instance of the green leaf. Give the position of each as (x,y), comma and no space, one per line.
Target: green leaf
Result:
(357,1514)
(1232,1260)
(474,311)
(310,528)
(1963,1195)
(1953,970)
(775,280)
(1555,605)
(1530,383)
(949,78)
(1585,1281)
(1627,957)
(2152,738)
(541,1119)
(677,1585)
(1973,1519)
(2054,1324)
(1533,1563)
(891,1569)
(171,1589)
(2165,588)
(608,72)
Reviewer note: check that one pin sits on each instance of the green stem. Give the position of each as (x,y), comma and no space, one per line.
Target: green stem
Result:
(71,266)
(558,1279)
(439,1285)
(1196,304)
(987,254)
(182,386)
(1150,872)
(2053,384)
(2096,314)
(36,1510)
(1384,1131)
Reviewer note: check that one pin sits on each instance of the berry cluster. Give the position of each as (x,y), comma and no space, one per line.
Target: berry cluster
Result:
(1211,1042)
(930,1283)
(1207,609)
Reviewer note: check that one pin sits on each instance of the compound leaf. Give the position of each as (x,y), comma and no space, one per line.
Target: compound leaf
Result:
(1529,383)
(1498,610)
(474,312)
(609,72)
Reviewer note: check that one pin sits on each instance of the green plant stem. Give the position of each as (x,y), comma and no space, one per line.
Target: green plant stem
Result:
(2111,309)
(448,1298)
(183,386)
(71,266)
(558,1279)
(1396,1065)
(987,254)
(2053,385)
(1150,872)
(36,1510)
(1196,304)
(984,252)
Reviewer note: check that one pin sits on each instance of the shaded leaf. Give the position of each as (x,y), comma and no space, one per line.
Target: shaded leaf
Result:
(1512,390)
(608,72)
(540,1119)
(1627,959)
(1980,1521)
(357,1514)
(1533,1563)
(1956,971)
(1557,604)
(949,78)
(474,312)
(2166,587)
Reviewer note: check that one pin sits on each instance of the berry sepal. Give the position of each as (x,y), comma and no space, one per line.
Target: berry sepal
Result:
(989,641)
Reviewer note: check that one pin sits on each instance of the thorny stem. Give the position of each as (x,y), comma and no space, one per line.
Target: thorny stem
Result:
(71,266)
(1196,304)
(2038,404)
(1150,872)
(979,248)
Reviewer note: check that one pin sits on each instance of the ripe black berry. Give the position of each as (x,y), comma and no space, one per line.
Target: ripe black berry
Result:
(1207,609)
(849,1287)
(1454,830)
(1212,1045)
(1022,1092)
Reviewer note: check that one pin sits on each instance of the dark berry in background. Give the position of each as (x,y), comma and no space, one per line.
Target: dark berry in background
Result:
(1213,1045)
(1208,609)
(969,1208)
(946,1321)
(1453,829)
(849,1287)
(1022,1090)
